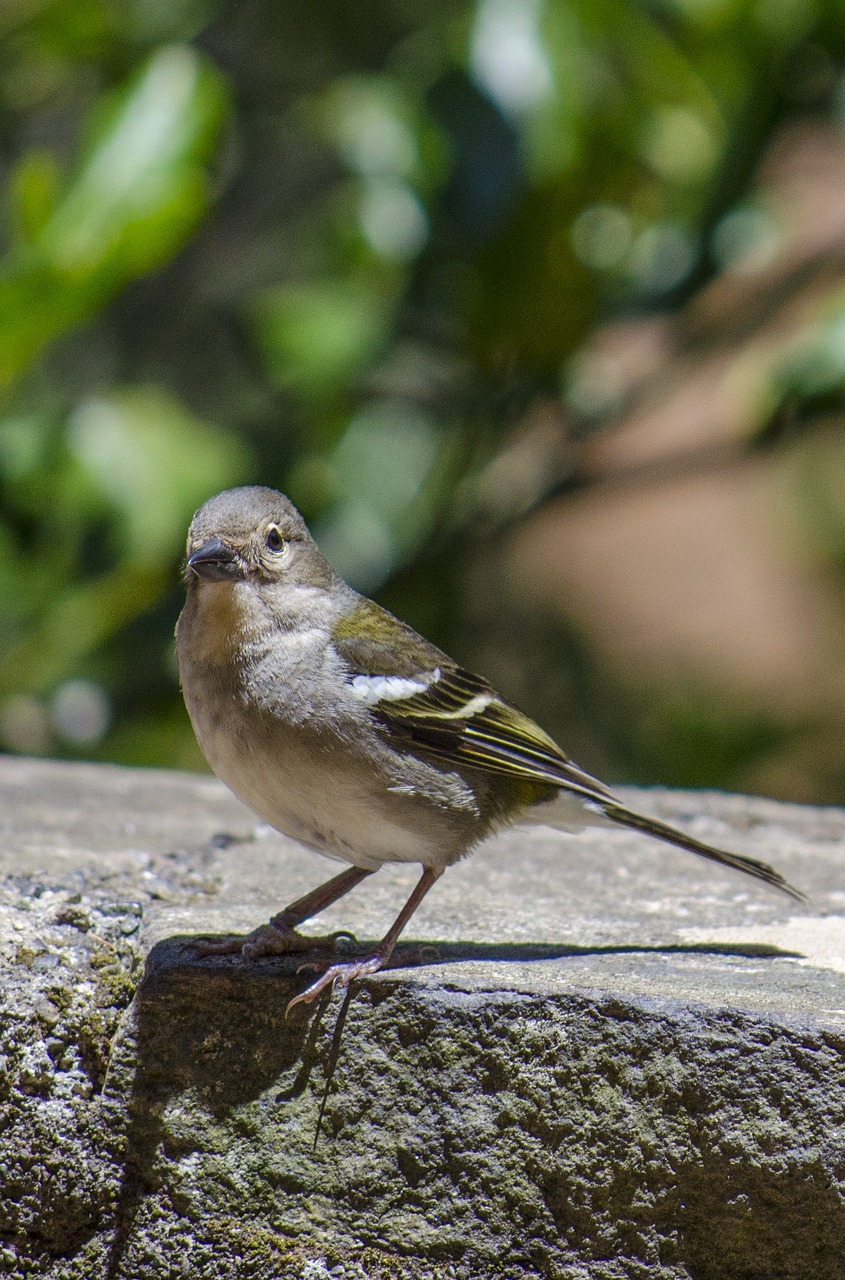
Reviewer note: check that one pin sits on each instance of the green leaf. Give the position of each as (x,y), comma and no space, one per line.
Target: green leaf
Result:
(140,190)
(318,336)
(156,463)
(34,191)
(818,368)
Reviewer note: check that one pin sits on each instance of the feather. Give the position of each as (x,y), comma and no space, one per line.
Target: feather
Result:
(459,718)
(663,831)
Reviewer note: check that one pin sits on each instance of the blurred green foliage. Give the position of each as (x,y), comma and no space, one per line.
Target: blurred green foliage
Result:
(343,250)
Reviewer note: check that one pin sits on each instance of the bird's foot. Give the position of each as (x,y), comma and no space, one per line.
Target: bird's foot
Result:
(337,975)
(269,940)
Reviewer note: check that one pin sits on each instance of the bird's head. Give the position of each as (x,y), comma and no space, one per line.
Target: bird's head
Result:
(253,535)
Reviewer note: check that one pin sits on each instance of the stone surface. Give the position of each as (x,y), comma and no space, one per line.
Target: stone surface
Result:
(618,1061)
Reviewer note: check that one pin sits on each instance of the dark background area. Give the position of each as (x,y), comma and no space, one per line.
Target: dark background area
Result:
(537,311)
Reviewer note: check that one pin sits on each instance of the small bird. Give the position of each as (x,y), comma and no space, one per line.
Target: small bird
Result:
(345,729)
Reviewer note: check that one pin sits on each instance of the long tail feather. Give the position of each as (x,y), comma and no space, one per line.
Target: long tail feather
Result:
(662,831)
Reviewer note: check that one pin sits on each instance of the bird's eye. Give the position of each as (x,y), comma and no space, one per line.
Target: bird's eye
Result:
(274,539)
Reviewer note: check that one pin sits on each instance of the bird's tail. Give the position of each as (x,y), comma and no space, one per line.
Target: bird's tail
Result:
(662,831)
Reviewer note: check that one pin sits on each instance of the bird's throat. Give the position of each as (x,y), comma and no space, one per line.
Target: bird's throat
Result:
(221,621)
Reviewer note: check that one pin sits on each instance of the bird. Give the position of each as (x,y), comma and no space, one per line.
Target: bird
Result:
(342,727)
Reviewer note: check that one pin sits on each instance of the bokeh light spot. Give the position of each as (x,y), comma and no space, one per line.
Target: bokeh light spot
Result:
(80,711)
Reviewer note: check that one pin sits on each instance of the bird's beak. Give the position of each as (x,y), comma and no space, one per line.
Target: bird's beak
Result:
(216,561)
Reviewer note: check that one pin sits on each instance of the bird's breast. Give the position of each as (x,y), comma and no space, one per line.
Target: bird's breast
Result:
(310,787)
(278,725)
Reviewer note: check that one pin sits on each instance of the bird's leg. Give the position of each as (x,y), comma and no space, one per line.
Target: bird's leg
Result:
(347,971)
(279,936)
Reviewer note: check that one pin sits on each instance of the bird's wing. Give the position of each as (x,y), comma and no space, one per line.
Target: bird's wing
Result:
(460,719)
(418,694)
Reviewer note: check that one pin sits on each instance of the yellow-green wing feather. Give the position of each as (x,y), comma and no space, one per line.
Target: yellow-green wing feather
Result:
(459,718)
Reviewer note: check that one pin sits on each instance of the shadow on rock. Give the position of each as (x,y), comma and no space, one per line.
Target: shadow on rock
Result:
(759,1223)
(214,1028)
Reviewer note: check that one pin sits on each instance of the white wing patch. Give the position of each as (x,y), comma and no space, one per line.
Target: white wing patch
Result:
(474,707)
(374,689)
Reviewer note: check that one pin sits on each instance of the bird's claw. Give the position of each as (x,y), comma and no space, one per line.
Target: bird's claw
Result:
(202,947)
(268,940)
(336,975)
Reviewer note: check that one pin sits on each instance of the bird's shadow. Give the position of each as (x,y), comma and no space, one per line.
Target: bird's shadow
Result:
(185,951)
(216,1023)
(214,1026)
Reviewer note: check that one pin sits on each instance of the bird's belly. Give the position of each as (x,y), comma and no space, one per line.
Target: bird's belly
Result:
(335,805)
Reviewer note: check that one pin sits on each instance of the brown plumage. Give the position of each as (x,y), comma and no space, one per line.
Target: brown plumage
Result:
(344,728)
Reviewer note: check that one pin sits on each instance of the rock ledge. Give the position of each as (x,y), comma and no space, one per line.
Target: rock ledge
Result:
(618,1062)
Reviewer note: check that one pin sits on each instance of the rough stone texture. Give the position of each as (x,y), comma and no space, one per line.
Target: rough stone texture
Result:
(619,1061)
